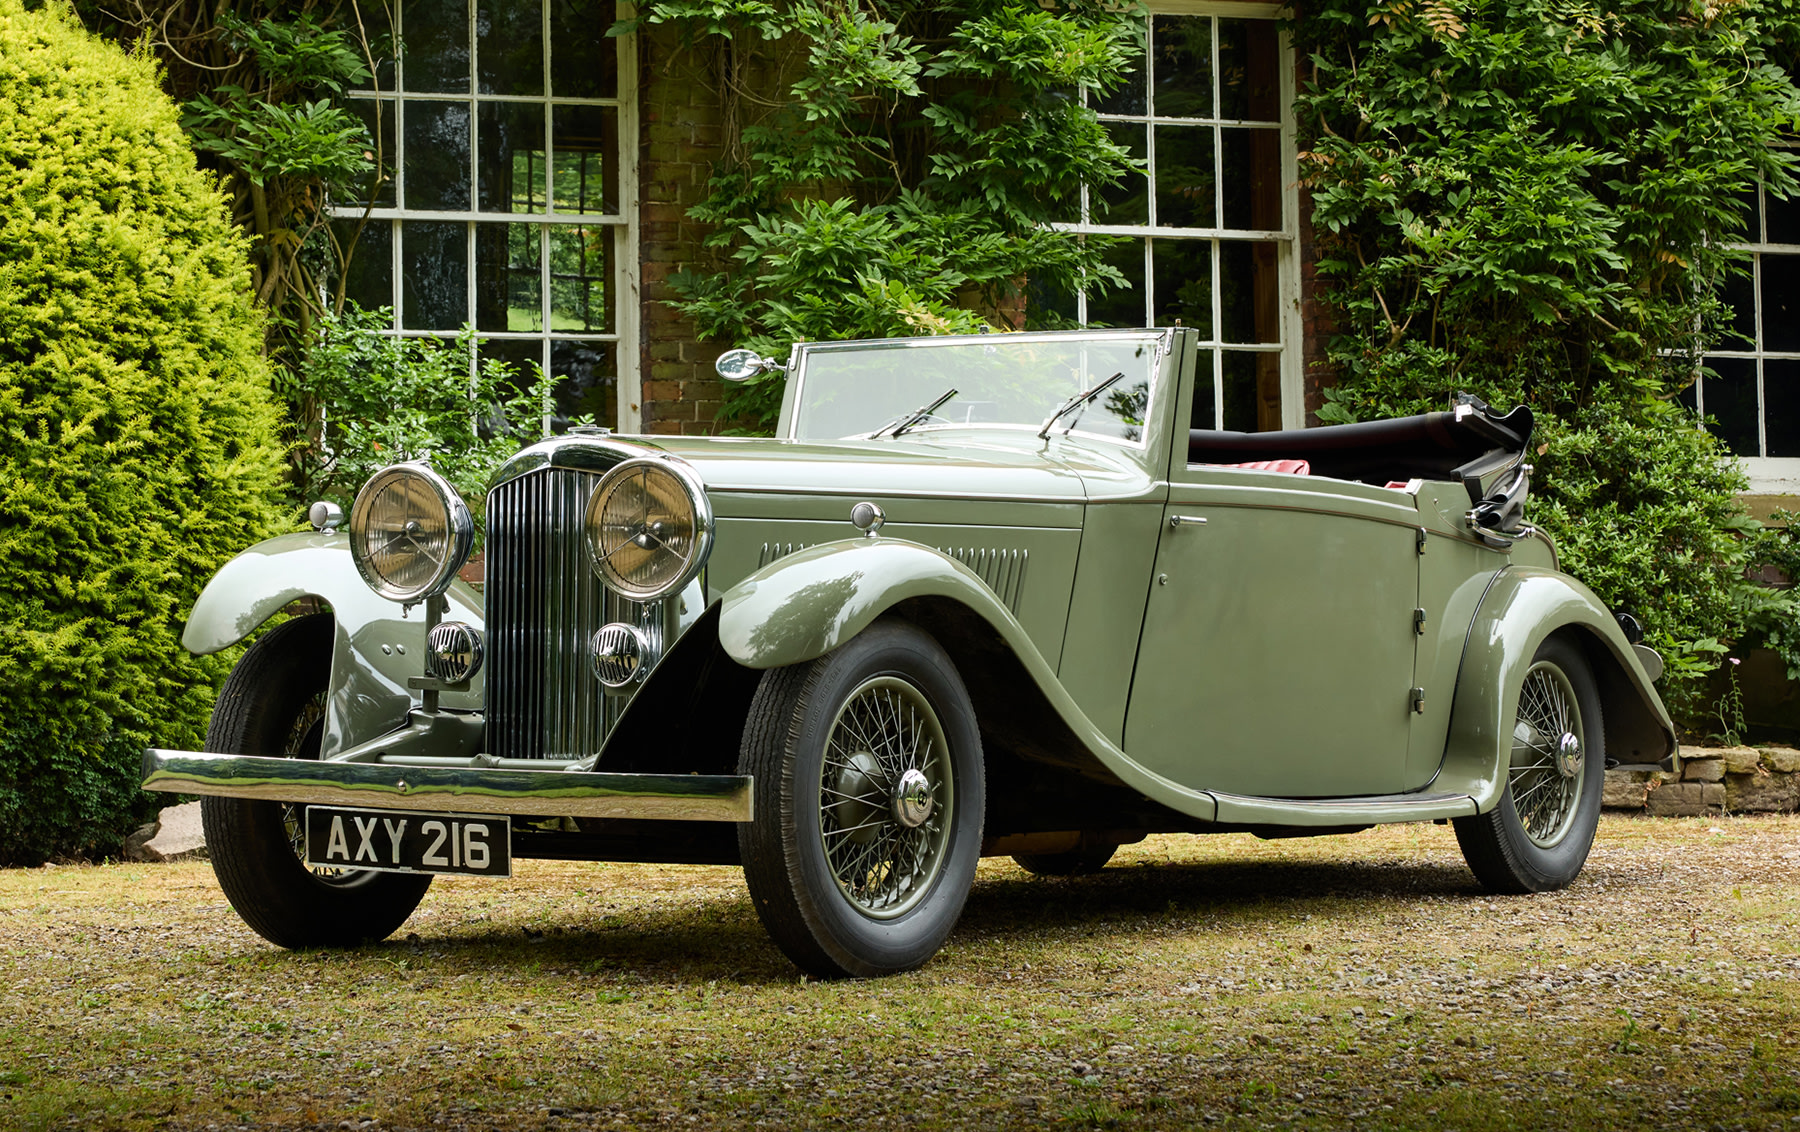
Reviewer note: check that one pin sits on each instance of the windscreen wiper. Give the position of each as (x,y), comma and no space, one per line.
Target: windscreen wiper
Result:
(1075,402)
(900,424)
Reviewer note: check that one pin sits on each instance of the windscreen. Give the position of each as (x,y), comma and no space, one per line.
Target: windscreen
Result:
(857,389)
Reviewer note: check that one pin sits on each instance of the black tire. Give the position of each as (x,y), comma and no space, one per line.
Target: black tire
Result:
(821,741)
(1070,863)
(1539,836)
(273,704)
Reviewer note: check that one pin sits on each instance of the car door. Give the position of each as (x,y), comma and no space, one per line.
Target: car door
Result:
(1276,657)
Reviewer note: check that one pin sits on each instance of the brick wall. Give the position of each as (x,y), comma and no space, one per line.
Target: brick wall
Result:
(680,139)
(1317,324)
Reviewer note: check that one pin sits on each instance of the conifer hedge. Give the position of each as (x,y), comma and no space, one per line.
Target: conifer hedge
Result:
(137,446)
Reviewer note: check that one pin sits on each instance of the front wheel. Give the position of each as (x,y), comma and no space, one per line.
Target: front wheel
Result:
(869,803)
(274,704)
(1539,835)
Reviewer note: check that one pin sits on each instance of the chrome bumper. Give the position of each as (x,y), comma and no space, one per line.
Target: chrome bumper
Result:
(455,790)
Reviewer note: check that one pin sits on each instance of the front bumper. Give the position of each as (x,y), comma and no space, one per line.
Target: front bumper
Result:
(455,790)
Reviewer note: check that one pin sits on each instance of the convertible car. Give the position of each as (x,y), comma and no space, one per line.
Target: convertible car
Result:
(981,595)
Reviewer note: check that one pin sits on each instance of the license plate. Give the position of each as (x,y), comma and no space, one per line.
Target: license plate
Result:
(402,841)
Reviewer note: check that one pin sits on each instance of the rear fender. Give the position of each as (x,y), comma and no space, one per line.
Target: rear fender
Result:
(379,645)
(1522,609)
(802,606)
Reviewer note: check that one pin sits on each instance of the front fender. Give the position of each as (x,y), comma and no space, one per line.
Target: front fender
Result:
(802,606)
(379,645)
(1523,607)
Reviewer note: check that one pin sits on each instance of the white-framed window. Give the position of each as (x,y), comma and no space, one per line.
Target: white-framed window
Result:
(1213,220)
(510,127)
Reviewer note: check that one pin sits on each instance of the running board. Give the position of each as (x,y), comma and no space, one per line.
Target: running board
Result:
(1374,809)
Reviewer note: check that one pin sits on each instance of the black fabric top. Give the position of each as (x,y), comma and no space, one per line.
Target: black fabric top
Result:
(1434,446)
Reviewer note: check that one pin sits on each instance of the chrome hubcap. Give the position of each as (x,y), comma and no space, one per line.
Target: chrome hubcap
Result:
(886,797)
(912,799)
(1548,765)
(1568,755)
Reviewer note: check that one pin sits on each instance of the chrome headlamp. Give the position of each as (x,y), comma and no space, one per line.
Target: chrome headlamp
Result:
(409,532)
(649,527)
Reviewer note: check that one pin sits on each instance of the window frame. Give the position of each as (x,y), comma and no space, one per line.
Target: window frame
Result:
(1769,475)
(1286,239)
(624,336)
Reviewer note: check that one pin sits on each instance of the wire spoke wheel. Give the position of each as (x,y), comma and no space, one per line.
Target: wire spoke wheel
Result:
(303,741)
(886,797)
(1547,771)
(1537,834)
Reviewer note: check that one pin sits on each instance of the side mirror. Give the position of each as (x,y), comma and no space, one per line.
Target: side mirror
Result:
(742,365)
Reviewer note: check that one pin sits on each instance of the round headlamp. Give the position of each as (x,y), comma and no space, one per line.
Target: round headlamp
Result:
(649,527)
(409,532)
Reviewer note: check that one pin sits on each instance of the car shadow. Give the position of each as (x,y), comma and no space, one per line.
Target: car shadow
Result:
(720,939)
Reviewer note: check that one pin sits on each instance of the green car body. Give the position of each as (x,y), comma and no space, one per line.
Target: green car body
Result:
(1148,643)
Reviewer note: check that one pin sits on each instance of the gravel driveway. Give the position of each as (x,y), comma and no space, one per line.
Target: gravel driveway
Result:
(1356,981)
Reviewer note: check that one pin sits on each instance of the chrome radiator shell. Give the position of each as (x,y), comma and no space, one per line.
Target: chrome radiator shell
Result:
(544,603)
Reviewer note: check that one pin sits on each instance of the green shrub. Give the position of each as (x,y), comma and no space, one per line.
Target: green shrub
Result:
(136,428)
(372,399)
(1533,200)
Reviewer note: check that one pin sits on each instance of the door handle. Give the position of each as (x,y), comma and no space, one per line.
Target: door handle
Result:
(1185,521)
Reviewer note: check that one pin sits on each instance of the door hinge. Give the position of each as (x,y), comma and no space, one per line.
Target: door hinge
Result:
(1419,622)
(1421,540)
(1418,701)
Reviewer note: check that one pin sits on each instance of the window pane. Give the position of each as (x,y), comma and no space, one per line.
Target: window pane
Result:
(1184,177)
(1184,284)
(512,157)
(1247,303)
(377,116)
(1249,84)
(1205,414)
(378,24)
(1122,306)
(1748,202)
(437,155)
(1781,301)
(583,62)
(435,262)
(523,358)
(584,168)
(509,280)
(369,274)
(1250,168)
(1183,67)
(581,276)
(1739,293)
(1784,220)
(509,50)
(1241,400)
(1781,406)
(1128,98)
(1127,201)
(590,382)
(435,46)
(1731,402)
(1048,306)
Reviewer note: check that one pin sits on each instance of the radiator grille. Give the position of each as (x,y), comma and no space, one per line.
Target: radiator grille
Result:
(543,604)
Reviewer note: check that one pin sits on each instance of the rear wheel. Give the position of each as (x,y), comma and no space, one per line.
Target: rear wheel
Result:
(1539,835)
(869,803)
(274,704)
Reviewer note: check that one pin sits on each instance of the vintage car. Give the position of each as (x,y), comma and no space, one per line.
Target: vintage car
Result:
(981,595)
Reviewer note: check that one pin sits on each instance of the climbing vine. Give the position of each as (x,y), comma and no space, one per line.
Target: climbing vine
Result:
(894,167)
(1534,200)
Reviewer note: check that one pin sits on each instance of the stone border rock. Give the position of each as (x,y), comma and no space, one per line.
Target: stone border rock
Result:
(1740,780)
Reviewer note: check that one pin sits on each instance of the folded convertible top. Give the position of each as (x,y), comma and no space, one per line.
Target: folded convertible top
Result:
(1461,445)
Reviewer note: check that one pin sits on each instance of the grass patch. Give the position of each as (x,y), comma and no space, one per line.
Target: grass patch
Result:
(1359,981)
